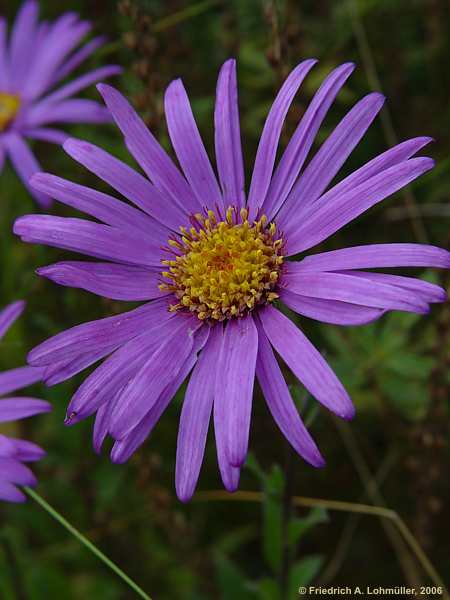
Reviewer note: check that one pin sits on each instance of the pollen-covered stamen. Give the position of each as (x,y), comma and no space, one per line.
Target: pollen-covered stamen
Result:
(9,106)
(226,268)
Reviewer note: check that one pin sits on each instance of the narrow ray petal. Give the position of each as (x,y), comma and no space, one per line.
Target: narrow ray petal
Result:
(356,290)
(12,409)
(9,315)
(337,209)
(194,420)
(330,311)
(25,164)
(234,384)
(152,158)
(374,256)
(189,147)
(86,237)
(267,148)
(306,362)
(119,282)
(228,147)
(300,143)
(281,404)
(126,181)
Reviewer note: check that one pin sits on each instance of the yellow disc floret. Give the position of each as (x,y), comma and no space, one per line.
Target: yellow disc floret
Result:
(224,269)
(9,105)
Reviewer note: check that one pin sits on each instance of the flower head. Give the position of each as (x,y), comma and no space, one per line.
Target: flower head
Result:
(14,452)
(33,61)
(215,264)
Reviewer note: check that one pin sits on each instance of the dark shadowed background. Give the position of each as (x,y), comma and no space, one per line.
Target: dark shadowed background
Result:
(394,453)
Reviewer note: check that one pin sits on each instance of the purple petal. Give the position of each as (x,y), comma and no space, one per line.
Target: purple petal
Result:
(189,147)
(160,368)
(25,164)
(80,83)
(10,493)
(230,475)
(126,181)
(119,282)
(306,362)
(7,448)
(15,379)
(2,156)
(100,427)
(155,162)
(334,210)
(67,111)
(64,35)
(9,314)
(267,149)
(4,63)
(46,134)
(356,290)
(377,255)
(86,237)
(195,417)
(394,156)
(124,448)
(234,384)
(101,333)
(120,368)
(334,152)
(300,144)
(22,39)
(428,292)
(12,409)
(227,139)
(27,451)
(78,57)
(15,472)
(61,371)
(330,311)
(281,404)
(101,206)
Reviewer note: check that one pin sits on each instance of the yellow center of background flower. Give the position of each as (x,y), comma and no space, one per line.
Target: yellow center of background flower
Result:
(9,105)
(224,269)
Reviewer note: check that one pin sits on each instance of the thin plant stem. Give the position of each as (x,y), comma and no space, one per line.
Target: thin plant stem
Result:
(368,60)
(375,496)
(183,15)
(338,505)
(83,540)
(352,523)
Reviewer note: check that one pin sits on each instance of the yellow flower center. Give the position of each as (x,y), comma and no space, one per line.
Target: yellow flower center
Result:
(9,105)
(224,269)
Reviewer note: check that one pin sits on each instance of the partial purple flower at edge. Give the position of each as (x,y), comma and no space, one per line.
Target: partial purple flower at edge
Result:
(15,452)
(36,58)
(213,263)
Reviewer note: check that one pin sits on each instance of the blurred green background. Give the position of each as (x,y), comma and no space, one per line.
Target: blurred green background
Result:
(396,450)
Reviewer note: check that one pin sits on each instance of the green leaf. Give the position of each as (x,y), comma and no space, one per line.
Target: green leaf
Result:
(269,590)
(273,519)
(298,527)
(303,572)
(231,581)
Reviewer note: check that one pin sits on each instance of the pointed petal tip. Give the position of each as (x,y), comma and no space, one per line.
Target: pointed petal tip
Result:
(317,461)
(232,486)
(184,495)
(347,413)
(117,458)
(72,418)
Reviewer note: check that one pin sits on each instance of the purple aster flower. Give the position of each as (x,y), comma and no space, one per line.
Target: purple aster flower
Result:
(14,452)
(36,58)
(214,263)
